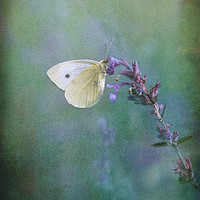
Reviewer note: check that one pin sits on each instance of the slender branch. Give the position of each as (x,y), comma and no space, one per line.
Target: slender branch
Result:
(157,113)
(160,119)
(180,156)
(195,184)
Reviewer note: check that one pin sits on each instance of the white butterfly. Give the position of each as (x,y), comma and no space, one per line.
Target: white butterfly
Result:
(82,80)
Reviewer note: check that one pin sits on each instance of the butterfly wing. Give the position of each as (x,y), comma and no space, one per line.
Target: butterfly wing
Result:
(86,88)
(62,73)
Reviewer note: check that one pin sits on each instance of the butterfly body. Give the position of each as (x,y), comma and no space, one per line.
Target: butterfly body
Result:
(82,80)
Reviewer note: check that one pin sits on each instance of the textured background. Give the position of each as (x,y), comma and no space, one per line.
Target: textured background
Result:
(51,150)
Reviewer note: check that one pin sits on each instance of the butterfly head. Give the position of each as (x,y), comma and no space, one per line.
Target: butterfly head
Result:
(104,61)
(103,65)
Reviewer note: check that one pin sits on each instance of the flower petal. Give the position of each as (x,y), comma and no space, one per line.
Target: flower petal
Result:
(114,63)
(117,86)
(113,97)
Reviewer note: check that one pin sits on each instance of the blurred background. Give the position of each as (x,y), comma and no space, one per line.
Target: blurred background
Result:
(52,150)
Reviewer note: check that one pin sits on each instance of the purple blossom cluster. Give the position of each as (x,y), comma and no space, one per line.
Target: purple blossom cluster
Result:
(165,134)
(137,88)
(184,169)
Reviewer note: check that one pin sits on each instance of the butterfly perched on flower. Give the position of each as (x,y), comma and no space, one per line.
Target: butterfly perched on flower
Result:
(82,80)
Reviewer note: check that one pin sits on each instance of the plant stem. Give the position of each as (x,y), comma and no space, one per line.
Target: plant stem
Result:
(160,119)
(180,156)
(195,184)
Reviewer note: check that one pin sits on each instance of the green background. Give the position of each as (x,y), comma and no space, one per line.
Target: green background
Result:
(51,150)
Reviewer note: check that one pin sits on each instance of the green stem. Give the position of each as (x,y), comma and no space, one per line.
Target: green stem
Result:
(195,184)
(157,113)
(180,157)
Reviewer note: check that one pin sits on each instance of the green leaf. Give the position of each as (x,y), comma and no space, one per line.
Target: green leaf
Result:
(162,115)
(160,144)
(186,138)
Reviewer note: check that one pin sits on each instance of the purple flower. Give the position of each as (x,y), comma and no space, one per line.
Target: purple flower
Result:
(113,97)
(184,170)
(117,86)
(175,136)
(138,90)
(154,91)
(131,72)
(165,134)
(136,70)
(114,63)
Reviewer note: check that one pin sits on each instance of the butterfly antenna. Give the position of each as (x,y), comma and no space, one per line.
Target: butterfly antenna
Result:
(105,51)
(109,46)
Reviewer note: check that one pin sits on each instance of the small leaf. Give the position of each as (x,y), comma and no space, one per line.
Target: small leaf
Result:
(160,144)
(162,115)
(186,138)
